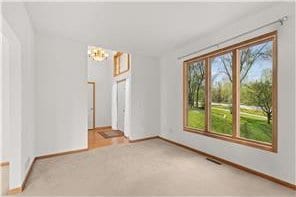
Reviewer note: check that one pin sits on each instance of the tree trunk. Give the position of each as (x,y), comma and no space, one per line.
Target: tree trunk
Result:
(269,117)
(197,95)
(190,101)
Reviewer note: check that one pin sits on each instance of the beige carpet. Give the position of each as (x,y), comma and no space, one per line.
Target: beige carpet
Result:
(151,167)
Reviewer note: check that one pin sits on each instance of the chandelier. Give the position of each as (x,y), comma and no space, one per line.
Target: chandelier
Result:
(97,54)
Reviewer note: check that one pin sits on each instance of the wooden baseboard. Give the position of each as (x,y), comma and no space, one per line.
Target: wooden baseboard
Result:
(15,191)
(143,139)
(104,127)
(101,128)
(61,153)
(260,174)
(4,163)
(20,189)
(28,174)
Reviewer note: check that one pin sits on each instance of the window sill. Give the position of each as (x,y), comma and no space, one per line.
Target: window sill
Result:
(247,142)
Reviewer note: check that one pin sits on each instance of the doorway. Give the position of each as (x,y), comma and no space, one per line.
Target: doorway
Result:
(91,105)
(108,96)
(121,104)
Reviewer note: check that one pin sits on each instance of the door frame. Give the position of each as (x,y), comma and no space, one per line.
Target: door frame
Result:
(94,103)
(117,82)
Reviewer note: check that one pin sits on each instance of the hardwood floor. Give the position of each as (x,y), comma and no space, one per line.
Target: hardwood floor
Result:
(95,140)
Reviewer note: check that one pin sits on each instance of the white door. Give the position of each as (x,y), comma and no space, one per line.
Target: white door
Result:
(91,106)
(120,105)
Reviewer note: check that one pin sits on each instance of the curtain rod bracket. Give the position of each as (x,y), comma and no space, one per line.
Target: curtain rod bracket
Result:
(283,19)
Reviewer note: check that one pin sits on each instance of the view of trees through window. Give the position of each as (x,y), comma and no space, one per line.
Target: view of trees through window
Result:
(256,92)
(196,95)
(221,94)
(253,88)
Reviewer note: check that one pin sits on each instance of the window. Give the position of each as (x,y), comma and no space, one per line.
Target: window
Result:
(196,95)
(231,93)
(121,63)
(221,93)
(256,92)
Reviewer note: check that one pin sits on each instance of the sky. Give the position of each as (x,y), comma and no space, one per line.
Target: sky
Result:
(255,72)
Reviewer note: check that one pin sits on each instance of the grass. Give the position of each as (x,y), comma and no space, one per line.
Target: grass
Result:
(252,125)
(196,119)
(221,120)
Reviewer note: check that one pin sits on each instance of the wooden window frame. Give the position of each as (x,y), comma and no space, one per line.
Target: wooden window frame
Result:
(116,60)
(273,146)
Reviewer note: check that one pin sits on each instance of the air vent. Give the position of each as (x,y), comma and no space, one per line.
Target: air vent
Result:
(214,161)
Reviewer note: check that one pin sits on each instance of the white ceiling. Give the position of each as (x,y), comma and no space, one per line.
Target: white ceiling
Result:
(148,28)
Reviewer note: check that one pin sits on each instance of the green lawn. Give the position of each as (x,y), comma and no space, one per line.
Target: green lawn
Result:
(252,124)
(196,119)
(221,120)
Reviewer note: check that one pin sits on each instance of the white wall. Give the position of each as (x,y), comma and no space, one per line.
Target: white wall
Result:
(11,102)
(145,97)
(61,94)
(4,96)
(102,73)
(22,90)
(280,165)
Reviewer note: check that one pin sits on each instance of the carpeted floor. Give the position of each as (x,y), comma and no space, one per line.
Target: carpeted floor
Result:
(152,167)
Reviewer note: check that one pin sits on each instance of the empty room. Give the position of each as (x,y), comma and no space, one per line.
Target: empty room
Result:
(148,98)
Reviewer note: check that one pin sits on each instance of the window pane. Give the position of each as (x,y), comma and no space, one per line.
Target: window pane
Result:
(256,92)
(196,95)
(221,94)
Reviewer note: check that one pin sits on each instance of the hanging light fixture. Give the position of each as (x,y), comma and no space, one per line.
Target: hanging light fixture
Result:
(97,54)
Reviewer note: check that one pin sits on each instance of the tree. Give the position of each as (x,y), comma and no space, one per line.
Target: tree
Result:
(248,57)
(260,94)
(217,93)
(196,76)
(191,87)
(199,81)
